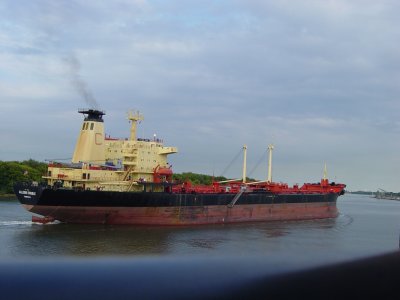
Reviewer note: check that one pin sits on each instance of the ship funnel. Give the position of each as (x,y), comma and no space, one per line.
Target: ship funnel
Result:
(90,146)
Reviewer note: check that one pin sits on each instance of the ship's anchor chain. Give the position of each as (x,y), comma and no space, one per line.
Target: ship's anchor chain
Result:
(237,196)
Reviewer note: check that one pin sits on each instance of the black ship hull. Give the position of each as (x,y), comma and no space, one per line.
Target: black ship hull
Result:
(162,208)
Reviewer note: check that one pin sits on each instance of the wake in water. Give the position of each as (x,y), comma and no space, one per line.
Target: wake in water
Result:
(342,221)
(14,223)
(11,223)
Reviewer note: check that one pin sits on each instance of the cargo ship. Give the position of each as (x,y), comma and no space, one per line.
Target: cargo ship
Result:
(129,181)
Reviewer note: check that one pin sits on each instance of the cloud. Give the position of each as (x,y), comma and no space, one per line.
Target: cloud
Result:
(319,79)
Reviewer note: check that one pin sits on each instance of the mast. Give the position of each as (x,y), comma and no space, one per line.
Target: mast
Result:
(325,172)
(244,162)
(134,117)
(270,148)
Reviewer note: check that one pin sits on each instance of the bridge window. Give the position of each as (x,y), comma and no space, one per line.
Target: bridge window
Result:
(91,126)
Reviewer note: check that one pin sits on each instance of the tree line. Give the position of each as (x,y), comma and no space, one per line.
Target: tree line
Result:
(32,170)
(13,171)
(197,178)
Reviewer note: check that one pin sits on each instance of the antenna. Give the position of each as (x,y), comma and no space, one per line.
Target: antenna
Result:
(135,115)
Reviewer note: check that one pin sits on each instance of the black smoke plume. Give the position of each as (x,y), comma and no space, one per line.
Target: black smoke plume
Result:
(78,83)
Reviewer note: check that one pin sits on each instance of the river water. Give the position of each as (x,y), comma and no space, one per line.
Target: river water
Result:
(365,227)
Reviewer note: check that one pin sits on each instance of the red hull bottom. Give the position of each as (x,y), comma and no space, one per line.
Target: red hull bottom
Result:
(188,215)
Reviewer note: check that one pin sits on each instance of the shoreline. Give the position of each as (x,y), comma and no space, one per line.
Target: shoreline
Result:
(8,197)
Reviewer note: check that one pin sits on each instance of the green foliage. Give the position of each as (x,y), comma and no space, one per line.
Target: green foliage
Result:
(197,178)
(42,167)
(13,171)
(32,170)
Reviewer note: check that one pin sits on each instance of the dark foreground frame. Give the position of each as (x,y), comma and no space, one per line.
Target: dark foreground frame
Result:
(197,278)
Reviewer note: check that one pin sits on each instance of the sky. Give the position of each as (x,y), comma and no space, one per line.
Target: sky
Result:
(318,79)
